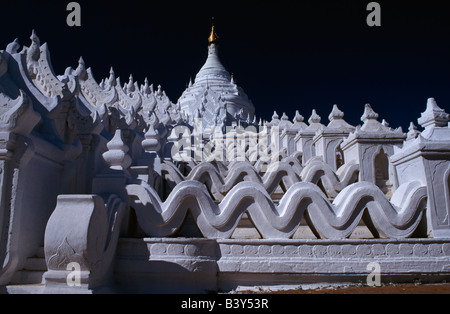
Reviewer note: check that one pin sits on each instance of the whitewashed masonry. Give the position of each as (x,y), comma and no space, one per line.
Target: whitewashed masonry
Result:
(88,176)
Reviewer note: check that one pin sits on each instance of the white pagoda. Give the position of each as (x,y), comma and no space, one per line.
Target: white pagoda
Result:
(93,189)
(214,95)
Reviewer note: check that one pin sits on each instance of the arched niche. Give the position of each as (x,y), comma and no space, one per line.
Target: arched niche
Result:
(339,157)
(382,180)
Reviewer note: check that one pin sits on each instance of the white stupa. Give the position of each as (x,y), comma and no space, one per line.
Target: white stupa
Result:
(214,96)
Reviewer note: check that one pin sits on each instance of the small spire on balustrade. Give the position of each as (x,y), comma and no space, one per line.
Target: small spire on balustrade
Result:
(151,143)
(369,114)
(413,133)
(336,114)
(145,89)
(130,85)
(112,78)
(433,116)
(275,116)
(13,46)
(117,157)
(34,51)
(315,118)
(81,69)
(81,63)
(298,117)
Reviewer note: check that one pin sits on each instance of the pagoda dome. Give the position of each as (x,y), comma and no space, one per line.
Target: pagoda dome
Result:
(213,70)
(214,79)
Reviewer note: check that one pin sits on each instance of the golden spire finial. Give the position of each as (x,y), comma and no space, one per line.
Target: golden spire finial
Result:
(213,38)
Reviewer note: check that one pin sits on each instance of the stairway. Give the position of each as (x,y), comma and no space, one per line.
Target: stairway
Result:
(30,279)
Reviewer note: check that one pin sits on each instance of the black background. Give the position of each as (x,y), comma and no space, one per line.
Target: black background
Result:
(286,55)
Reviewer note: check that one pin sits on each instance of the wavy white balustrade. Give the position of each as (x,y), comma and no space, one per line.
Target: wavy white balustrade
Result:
(220,184)
(333,182)
(336,220)
(220,181)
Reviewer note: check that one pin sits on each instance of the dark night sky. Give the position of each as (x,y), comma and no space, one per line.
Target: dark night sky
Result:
(287,55)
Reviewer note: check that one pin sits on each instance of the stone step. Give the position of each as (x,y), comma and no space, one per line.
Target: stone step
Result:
(27,277)
(33,270)
(25,289)
(35,264)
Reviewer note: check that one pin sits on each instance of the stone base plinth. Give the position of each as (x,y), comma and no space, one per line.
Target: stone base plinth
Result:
(202,265)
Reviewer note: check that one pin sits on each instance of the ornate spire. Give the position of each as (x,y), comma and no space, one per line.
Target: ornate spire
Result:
(335,114)
(413,133)
(34,49)
(298,117)
(298,123)
(151,143)
(213,38)
(81,69)
(275,116)
(112,78)
(315,118)
(116,157)
(336,118)
(434,116)
(369,114)
(13,46)
(130,86)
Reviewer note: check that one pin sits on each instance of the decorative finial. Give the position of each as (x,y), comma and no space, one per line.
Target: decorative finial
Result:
(275,116)
(81,69)
(116,157)
(213,38)
(81,62)
(369,114)
(112,78)
(145,89)
(336,114)
(151,143)
(315,118)
(81,65)
(130,86)
(298,117)
(34,38)
(413,133)
(34,50)
(433,116)
(13,46)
